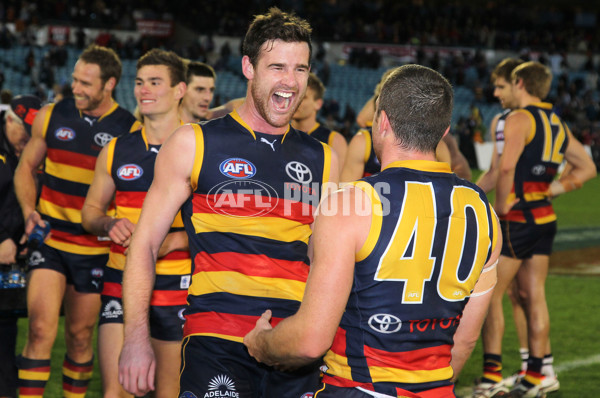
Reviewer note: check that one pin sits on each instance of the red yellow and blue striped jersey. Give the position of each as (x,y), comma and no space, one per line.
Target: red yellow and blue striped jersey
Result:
(73,141)
(322,134)
(248,222)
(130,162)
(431,234)
(372,165)
(543,154)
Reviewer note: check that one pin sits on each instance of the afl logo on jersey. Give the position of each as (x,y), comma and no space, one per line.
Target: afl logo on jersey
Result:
(64,134)
(130,172)
(102,139)
(237,168)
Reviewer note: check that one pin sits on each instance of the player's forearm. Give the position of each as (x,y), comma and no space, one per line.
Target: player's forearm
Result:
(503,188)
(138,281)
(95,221)
(25,189)
(288,346)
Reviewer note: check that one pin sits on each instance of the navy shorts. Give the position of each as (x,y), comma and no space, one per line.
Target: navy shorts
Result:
(213,367)
(84,272)
(523,240)
(166,321)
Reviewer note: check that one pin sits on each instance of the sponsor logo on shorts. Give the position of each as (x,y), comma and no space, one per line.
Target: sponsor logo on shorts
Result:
(237,168)
(130,172)
(36,258)
(184,283)
(102,138)
(298,172)
(97,272)
(307,395)
(112,310)
(188,394)
(385,323)
(180,314)
(64,134)
(221,386)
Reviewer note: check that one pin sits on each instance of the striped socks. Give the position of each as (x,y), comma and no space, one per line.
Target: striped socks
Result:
(76,377)
(33,375)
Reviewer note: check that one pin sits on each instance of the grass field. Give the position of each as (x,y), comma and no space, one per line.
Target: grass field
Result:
(574,303)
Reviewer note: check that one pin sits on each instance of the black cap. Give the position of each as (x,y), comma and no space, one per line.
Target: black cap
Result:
(26,107)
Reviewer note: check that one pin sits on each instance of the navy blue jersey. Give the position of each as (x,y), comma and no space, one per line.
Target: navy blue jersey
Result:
(542,155)
(74,141)
(248,219)
(431,234)
(322,134)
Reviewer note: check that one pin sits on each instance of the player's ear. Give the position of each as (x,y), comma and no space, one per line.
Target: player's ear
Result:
(247,68)
(110,84)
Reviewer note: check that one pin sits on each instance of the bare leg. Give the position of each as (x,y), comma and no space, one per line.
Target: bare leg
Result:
(110,341)
(168,360)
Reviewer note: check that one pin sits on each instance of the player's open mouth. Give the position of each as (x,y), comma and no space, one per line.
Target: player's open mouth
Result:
(282,100)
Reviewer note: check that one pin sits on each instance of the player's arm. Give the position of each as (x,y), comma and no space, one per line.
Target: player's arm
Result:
(340,147)
(475,311)
(517,128)
(224,109)
(177,240)
(458,162)
(101,193)
(365,115)
(580,168)
(354,165)
(308,334)
(487,181)
(170,188)
(25,174)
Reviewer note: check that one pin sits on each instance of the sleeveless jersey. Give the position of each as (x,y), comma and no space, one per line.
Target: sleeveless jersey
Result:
(248,222)
(431,234)
(372,164)
(130,162)
(74,141)
(543,154)
(500,131)
(322,134)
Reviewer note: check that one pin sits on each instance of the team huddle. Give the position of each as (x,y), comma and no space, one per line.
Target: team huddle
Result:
(248,251)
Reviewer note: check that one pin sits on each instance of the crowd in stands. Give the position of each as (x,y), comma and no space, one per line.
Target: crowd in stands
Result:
(535,28)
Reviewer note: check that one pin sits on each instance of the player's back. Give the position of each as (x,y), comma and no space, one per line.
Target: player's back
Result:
(413,277)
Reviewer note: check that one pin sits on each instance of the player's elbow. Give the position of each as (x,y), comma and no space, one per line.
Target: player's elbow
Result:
(312,348)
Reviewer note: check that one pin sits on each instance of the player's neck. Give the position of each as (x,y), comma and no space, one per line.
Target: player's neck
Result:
(186,116)
(250,115)
(397,154)
(528,99)
(101,109)
(305,125)
(160,127)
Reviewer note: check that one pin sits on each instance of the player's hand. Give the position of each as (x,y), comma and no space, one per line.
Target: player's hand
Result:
(8,251)
(32,220)
(251,340)
(120,231)
(137,366)
(503,208)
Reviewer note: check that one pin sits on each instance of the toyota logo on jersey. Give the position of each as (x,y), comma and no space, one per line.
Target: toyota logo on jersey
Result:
(102,138)
(237,168)
(64,134)
(130,172)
